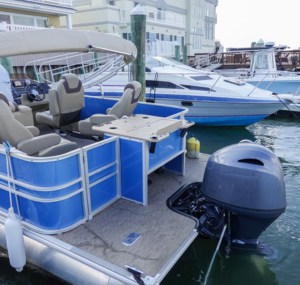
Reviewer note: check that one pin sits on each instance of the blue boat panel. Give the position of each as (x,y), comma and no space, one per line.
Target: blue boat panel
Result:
(227,121)
(55,215)
(103,173)
(165,148)
(101,156)
(132,169)
(55,192)
(3,167)
(4,199)
(104,192)
(158,110)
(49,192)
(176,164)
(47,173)
(96,105)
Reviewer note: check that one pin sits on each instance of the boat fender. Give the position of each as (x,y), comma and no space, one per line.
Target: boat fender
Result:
(193,148)
(14,241)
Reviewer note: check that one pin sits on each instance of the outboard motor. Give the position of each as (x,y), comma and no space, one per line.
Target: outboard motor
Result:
(247,180)
(243,187)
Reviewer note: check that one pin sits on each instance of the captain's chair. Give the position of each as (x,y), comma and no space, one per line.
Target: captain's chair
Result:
(65,103)
(124,107)
(22,113)
(27,139)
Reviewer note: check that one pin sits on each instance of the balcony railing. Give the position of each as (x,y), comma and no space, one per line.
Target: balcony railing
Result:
(9,27)
(64,3)
(157,16)
(162,48)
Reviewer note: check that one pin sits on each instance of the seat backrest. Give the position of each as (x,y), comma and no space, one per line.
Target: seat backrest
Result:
(127,103)
(67,99)
(11,130)
(13,106)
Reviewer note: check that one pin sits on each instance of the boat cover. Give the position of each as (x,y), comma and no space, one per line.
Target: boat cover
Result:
(63,40)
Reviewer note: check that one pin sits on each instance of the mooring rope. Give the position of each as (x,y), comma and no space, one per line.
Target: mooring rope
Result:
(214,255)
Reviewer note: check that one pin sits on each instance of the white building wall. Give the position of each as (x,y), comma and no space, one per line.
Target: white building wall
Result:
(181,21)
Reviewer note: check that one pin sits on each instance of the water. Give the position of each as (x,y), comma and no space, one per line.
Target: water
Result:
(281,239)
(278,267)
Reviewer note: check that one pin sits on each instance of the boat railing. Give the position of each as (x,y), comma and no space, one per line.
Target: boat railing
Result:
(57,193)
(206,60)
(61,201)
(92,68)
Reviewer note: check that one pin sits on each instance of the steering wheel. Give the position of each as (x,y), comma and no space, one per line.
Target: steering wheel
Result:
(35,92)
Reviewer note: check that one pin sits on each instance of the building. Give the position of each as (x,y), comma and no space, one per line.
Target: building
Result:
(187,23)
(16,15)
(33,14)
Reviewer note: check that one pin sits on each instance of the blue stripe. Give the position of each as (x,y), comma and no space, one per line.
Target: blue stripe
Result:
(192,98)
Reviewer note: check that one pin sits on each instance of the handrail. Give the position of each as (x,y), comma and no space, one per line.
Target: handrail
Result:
(91,68)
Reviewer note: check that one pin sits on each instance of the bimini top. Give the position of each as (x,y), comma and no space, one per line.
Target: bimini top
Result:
(63,40)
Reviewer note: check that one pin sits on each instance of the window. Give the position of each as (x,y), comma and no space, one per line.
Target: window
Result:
(261,62)
(151,37)
(111,2)
(210,10)
(196,42)
(23,20)
(127,36)
(201,77)
(162,84)
(199,88)
(166,37)
(40,22)
(5,18)
(209,30)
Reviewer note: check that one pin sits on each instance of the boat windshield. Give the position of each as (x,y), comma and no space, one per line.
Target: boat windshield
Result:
(157,61)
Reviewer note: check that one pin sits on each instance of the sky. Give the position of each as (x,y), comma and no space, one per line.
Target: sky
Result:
(241,22)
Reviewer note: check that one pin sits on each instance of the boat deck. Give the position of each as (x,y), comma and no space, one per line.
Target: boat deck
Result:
(164,234)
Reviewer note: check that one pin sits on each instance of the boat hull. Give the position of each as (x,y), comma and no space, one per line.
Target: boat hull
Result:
(222,113)
(213,111)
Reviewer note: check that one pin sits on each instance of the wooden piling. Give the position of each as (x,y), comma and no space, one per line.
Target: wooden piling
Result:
(138,36)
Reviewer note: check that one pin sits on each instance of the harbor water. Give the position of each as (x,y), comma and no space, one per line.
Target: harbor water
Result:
(280,242)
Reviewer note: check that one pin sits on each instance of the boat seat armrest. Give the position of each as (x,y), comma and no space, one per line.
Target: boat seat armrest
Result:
(98,119)
(36,144)
(34,130)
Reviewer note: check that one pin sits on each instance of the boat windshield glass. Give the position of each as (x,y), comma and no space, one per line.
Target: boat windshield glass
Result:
(261,61)
(161,61)
(200,77)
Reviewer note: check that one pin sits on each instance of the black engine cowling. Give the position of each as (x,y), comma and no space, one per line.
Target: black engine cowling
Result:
(243,187)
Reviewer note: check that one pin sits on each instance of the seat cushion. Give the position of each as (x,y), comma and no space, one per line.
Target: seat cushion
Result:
(45,118)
